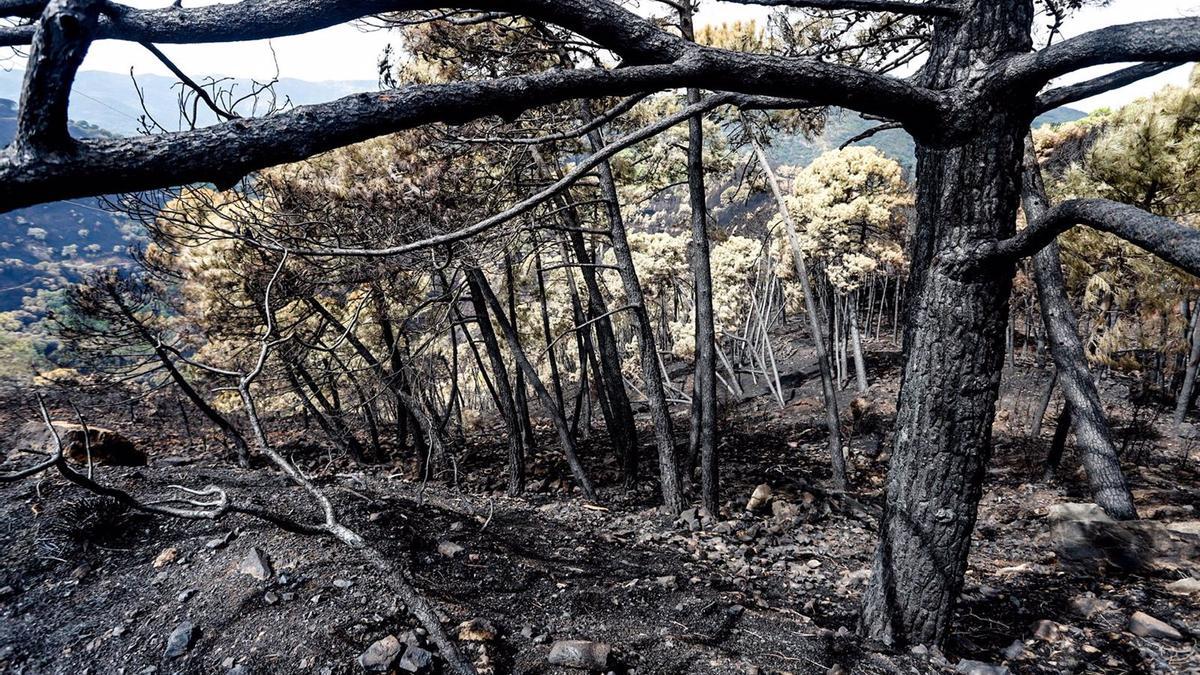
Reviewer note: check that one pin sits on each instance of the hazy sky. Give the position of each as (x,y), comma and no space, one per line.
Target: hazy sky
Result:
(346,52)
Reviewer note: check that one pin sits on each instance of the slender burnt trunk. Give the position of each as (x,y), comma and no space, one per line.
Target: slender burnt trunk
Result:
(503,390)
(1189,377)
(704,382)
(652,377)
(1059,444)
(241,448)
(480,283)
(1093,436)
(860,365)
(521,394)
(1040,416)
(617,409)
(967,195)
(832,418)
(339,429)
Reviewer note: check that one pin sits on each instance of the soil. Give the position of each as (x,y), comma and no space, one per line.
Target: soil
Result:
(89,587)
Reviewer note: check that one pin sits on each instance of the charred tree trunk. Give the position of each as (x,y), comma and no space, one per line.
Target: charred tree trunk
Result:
(480,283)
(241,448)
(1189,378)
(1093,437)
(828,391)
(652,377)
(860,365)
(968,190)
(1059,444)
(617,409)
(521,395)
(704,382)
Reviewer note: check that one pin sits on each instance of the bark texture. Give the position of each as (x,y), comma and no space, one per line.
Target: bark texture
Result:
(954,343)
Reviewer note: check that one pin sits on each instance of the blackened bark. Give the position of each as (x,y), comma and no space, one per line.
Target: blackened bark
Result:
(1093,436)
(954,344)
(652,378)
(520,393)
(615,404)
(479,282)
(1059,444)
(1183,401)
(704,381)
(504,394)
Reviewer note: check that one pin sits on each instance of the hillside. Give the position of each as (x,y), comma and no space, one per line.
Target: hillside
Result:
(48,246)
(110,100)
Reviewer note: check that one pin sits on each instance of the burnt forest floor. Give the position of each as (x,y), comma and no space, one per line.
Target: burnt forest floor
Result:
(89,587)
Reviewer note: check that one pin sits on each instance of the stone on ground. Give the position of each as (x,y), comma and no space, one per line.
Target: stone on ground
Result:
(581,654)
(1144,625)
(256,564)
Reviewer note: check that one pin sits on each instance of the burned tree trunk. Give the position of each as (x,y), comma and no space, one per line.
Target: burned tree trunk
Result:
(652,376)
(704,382)
(1086,413)
(968,190)
(479,283)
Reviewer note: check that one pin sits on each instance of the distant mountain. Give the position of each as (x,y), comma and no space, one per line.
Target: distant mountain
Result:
(46,247)
(110,100)
(842,125)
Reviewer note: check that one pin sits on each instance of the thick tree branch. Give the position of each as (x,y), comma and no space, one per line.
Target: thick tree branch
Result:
(1163,40)
(607,23)
(896,6)
(223,153)
(1056,98)
(59,45)
(1176,243)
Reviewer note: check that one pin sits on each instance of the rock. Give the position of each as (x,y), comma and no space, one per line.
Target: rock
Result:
(381,656)
(1047,631)
(180,640)
(449,548)
(166,557)
(1086,537)
(969,667)
(1144,625)
(1088,605)
(185,595)
(759,498)
(1190,527)
(784,511)
(1014,650)
(256,564)
(476,630)
(271,597)
(690,519)
(342,583)
(105,445)
(581,654)
(220,542)
(416,660)
(668,582)
(1186,586)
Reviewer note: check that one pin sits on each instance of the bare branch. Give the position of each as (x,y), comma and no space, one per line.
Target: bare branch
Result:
(1056,98)
(1173,242)
(59,44)
(1163,40)
(934,8)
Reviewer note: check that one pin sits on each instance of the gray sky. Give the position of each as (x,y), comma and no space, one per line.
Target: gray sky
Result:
(348,53)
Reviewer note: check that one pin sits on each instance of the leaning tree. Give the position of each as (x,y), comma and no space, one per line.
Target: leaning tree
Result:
(968,107)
